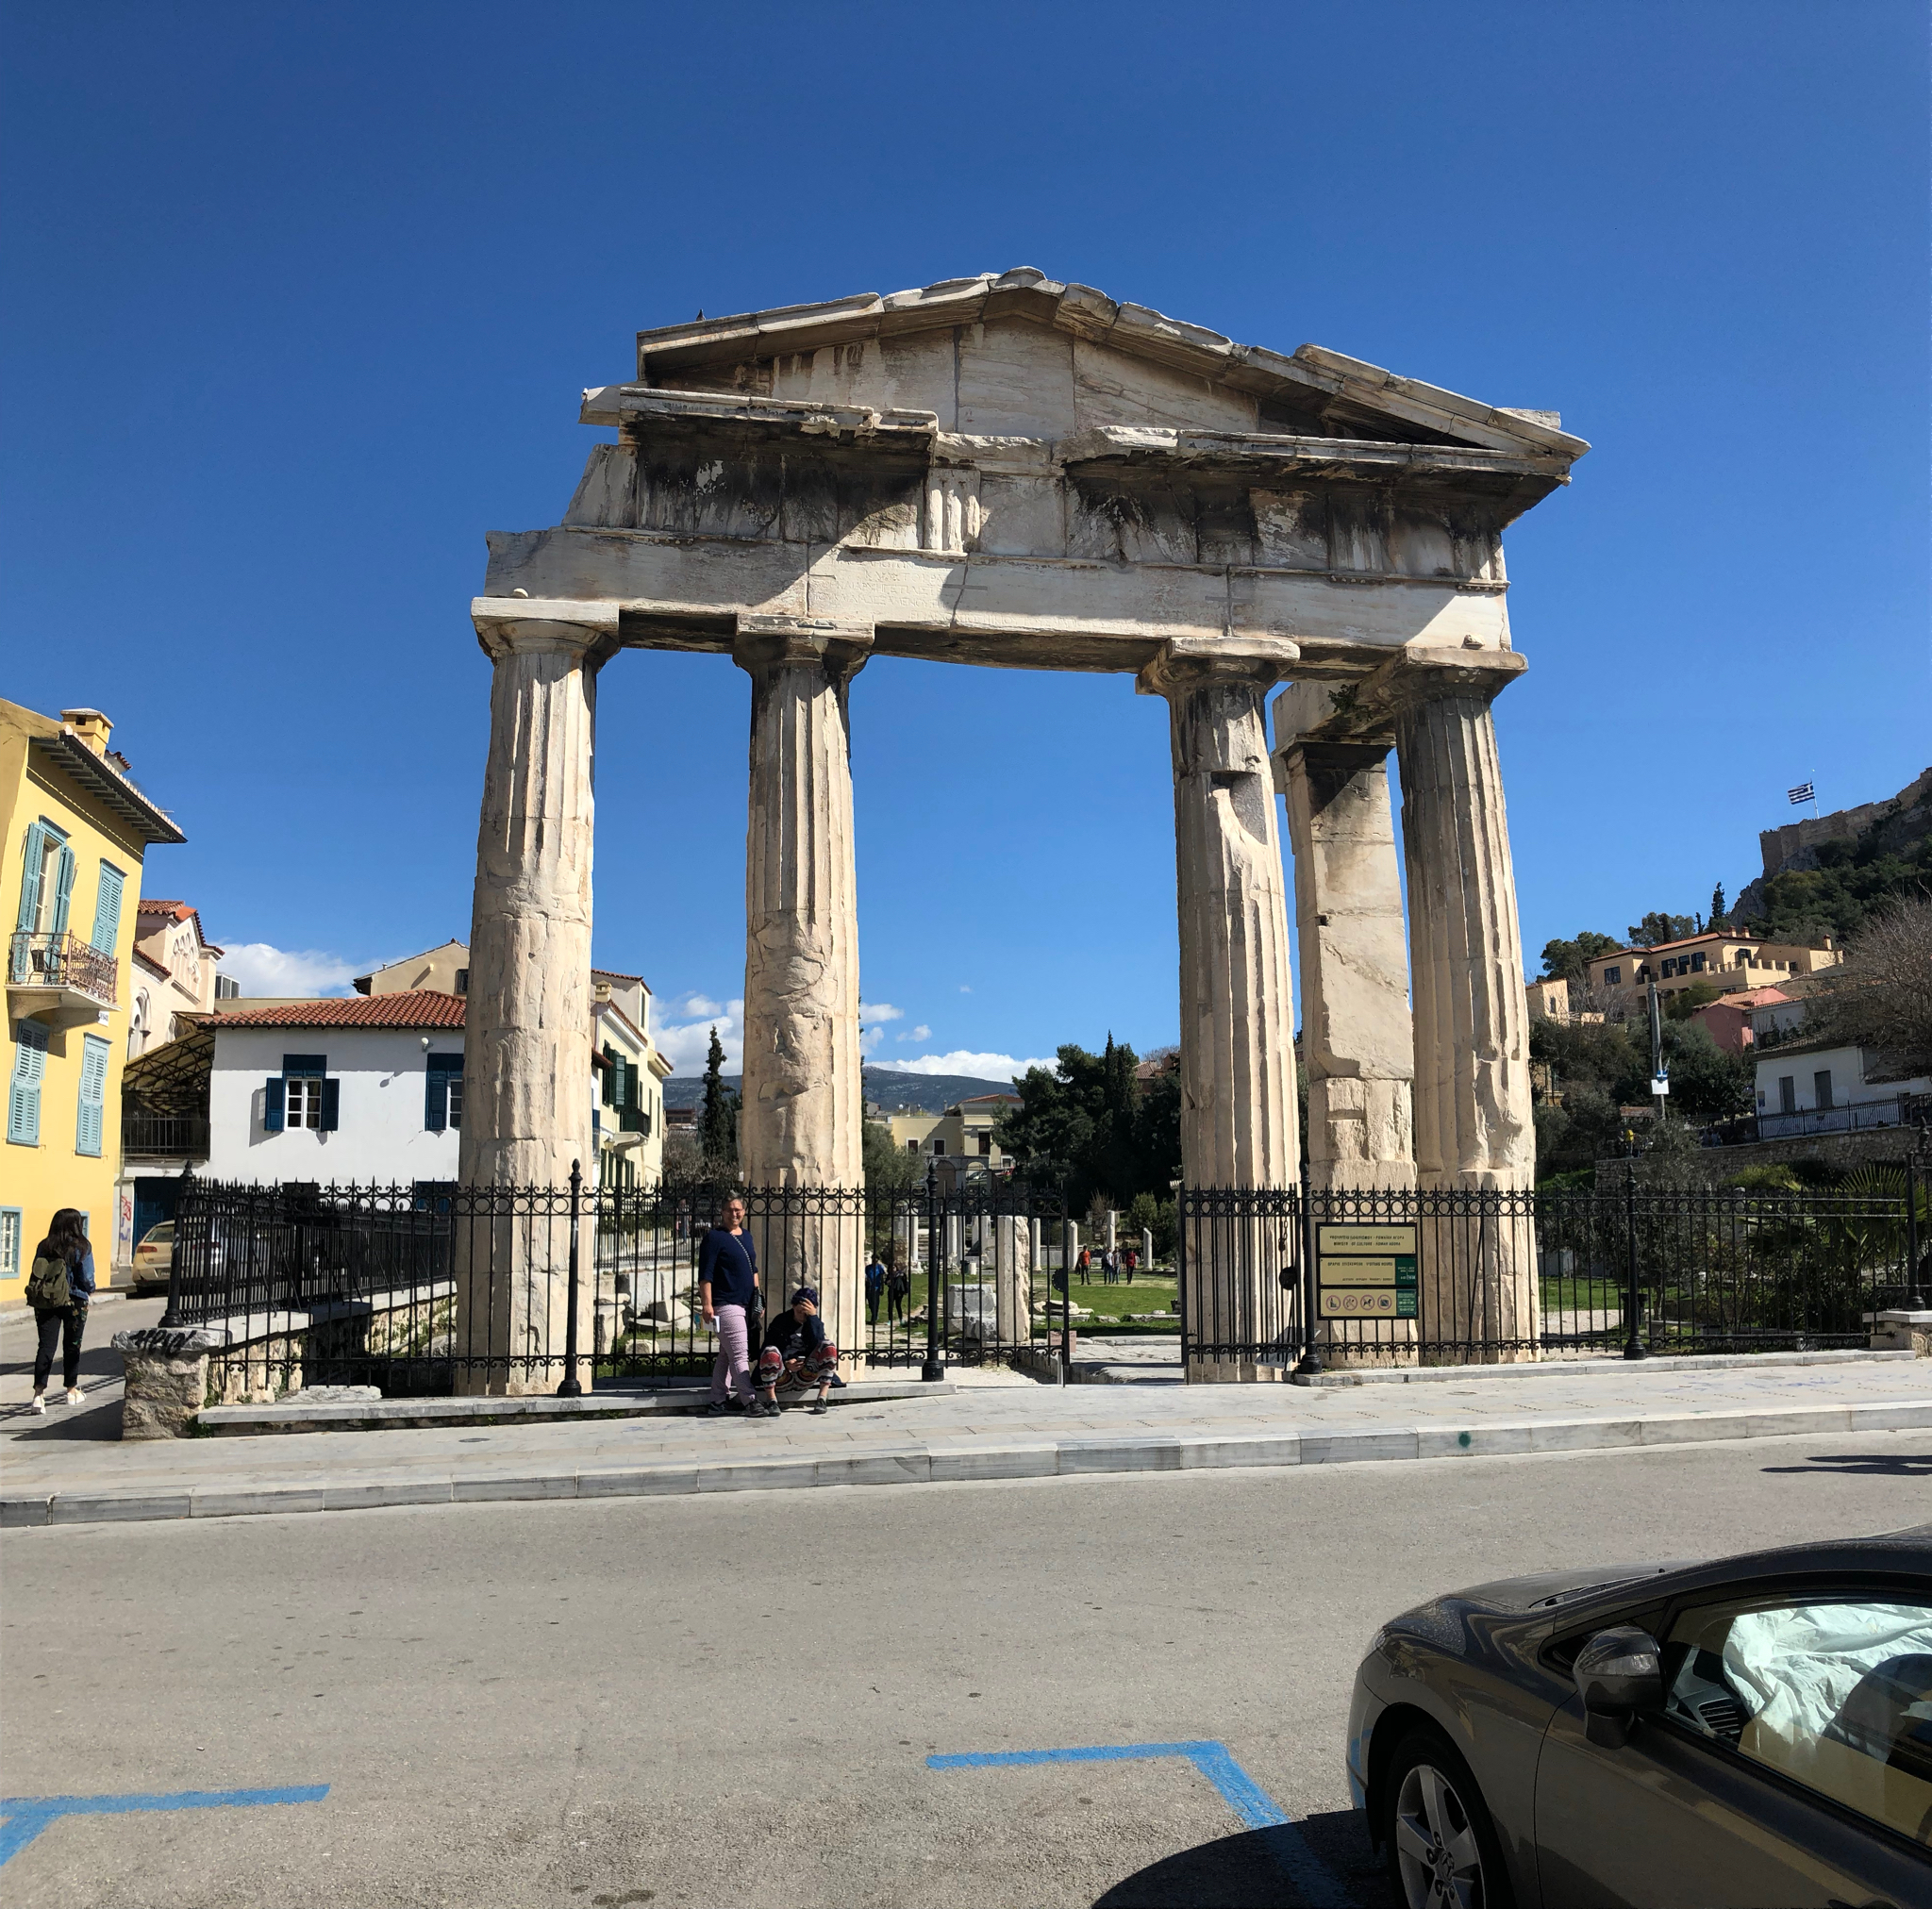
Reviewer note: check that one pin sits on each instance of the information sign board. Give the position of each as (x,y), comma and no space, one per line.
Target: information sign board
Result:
(1365,1271)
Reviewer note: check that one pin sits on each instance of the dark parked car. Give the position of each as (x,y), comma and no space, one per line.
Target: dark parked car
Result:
(1750,1734)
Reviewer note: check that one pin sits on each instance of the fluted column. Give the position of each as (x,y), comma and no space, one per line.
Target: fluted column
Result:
(1356,1042)
(804,1100)
(526,1042)
(1473,1123)
(1239,1119)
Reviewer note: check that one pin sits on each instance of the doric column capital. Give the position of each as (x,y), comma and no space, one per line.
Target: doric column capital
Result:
(533,625)
(1187,663)
(1427,673)
(771,643)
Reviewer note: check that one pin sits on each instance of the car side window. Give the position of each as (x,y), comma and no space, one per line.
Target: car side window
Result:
(1835,1693)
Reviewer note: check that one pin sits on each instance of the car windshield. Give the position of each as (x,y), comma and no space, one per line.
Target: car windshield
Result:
(161,1235)
(1833,1692)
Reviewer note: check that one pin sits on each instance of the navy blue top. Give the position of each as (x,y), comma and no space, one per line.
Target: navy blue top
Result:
(730,1263)
(795,1337)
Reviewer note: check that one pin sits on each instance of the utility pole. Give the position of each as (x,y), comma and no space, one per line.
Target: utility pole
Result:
(1660,1074)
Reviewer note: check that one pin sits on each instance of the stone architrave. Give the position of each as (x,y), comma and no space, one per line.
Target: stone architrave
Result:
(803,1108)
(1238,1115)
(527,1056)
(1474,1128)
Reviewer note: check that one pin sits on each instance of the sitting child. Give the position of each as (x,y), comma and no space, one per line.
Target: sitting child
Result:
(797,1353)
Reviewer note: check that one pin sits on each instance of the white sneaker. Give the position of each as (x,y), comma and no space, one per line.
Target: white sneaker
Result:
(39,1404)
(75,1396)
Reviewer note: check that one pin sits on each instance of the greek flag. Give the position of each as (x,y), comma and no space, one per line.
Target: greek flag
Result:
(1804,793)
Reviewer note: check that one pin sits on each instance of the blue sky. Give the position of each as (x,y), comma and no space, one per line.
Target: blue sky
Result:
(298,302)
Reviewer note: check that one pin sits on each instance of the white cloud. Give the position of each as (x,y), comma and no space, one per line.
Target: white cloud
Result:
(986,1066)
(920,1033)
(260,969)
(880,1010)
(683,1033)
(964,989)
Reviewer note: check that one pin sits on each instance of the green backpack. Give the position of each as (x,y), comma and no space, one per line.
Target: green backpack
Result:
(46,1288)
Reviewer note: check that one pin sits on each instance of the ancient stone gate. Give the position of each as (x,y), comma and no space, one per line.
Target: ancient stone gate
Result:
(1010,472)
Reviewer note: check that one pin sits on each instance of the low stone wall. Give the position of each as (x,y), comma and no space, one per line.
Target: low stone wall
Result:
(1713,1166)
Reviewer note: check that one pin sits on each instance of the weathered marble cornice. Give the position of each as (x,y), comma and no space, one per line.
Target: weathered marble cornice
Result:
(640,408)
(1312,377)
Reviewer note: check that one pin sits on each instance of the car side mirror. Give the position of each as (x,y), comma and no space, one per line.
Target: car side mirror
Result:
(1619,1675)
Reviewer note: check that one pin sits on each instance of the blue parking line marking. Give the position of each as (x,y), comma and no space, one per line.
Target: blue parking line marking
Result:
(1313,1878)
(23,1819)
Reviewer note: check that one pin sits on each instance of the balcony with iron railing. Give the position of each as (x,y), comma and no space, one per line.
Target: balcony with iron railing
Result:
(58,978)
(163,1136)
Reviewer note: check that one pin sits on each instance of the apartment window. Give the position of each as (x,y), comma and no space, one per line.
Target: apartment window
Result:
(1613,977)
(227,988)
(46,879)
(1787,1094)
(463,981)
(90,1113)
(442,1093)
(302,1095)
(1821,1088)
(912,1146)
(9,1242)
(24,1090)
(1697,964)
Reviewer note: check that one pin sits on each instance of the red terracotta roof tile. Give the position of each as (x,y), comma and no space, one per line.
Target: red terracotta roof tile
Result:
(411,1007)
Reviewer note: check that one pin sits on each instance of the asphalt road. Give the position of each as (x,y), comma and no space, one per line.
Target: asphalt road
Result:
(728,1699)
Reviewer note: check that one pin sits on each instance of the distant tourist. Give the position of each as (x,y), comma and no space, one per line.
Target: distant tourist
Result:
(1086,1265)
(898,1290)
(1129,1259)
(59,1288)
(727,1291)
(797,1353)
(1109,1268)
(874,1289)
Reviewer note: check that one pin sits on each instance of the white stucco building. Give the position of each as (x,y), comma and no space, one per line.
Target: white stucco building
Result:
(367,1089)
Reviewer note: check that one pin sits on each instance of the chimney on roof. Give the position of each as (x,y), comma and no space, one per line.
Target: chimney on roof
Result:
(90,726)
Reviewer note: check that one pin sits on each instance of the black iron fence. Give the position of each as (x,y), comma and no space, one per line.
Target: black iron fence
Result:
(434,1288)
(1278,1279)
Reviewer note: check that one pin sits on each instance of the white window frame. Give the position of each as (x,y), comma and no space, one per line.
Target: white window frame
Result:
(301,1101)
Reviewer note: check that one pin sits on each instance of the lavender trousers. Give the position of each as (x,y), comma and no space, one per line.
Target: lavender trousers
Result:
(731,1370)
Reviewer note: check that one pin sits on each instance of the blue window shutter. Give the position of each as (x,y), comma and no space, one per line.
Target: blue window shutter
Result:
(275,1108)
(24,1090)
(331,1105)
(87,1119)
(63,890)
(435,1099)
(30,879)
(108,909)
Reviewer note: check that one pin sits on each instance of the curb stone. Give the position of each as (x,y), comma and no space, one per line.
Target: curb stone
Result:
(919,1464)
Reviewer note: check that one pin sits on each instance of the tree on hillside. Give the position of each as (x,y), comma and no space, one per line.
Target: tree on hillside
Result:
(1880,998)
(1717,909)
(1570,960)
(1658,927)
(718,1124)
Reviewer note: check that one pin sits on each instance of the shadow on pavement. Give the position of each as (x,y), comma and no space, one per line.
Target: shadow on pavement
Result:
(1242,1872)
(1876,1464)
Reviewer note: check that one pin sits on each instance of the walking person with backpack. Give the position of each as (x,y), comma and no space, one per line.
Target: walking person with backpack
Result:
(58,1289)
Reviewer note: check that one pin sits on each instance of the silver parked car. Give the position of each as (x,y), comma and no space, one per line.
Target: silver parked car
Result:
(1752,1731)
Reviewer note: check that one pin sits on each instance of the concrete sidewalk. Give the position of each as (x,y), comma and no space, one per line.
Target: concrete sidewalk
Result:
(980,1432)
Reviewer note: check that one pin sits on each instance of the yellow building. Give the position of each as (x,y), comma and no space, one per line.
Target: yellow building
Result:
(73,830)
(963,1133)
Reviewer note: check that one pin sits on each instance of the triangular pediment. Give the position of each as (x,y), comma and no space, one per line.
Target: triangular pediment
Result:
(1018,354)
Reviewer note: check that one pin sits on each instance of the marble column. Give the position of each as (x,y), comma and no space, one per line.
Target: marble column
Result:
(1239,1117)
(1473,1125)
(804,1102)
(1357,1042)
(526,1042)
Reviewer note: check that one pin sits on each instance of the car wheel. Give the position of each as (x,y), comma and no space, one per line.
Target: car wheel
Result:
(1442,1849)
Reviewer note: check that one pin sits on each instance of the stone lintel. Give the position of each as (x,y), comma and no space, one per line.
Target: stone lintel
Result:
(641,406)
(1184,663)
(1365,712)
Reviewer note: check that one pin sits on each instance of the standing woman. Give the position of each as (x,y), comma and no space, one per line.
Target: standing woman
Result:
(728,1292)
(58,1289)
